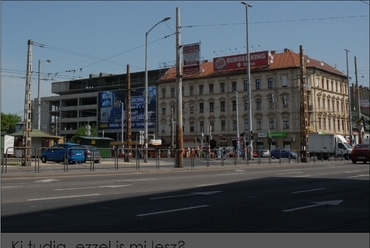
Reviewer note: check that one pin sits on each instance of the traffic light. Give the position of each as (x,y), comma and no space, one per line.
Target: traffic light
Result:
(252,137)
(212,144)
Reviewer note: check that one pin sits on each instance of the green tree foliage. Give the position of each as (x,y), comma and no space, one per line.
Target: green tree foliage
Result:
(8,122)
(83,131)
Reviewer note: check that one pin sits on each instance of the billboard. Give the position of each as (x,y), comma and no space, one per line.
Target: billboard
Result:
(191,58)
(239,61)
(112,108)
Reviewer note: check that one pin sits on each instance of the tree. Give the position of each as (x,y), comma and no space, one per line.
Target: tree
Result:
(9,121)
(83,131)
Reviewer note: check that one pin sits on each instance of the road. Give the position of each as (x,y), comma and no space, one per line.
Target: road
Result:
(316,197)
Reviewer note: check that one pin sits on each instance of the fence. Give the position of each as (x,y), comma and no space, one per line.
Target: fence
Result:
(133,158)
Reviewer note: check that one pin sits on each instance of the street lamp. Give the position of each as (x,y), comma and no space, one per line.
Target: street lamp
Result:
(249,82)
(39,97)
(147,89)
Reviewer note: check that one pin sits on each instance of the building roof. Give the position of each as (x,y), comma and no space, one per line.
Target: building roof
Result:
(284,60)
(36,133)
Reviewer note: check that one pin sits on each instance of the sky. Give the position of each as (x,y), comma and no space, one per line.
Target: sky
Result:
(91,37)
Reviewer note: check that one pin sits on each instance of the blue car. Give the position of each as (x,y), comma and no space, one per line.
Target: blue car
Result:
(283,153)
(68,152)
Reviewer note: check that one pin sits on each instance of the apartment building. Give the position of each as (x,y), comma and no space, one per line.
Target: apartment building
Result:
(210,106)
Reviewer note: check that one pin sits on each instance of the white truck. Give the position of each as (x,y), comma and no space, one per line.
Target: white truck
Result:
(324,146)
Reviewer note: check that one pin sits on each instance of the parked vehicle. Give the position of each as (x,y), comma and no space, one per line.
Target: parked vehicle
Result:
(283,153)
(92,153)
(361,152)
(324,146)
(68,152)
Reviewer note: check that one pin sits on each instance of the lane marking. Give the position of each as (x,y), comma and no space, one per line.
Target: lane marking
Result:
(172,210)
(229,174)
(351,171)
(205,185)
(289,173)
(364,175)
(9,187)
(47,180)
(137,180)
(95,187)
(303,176)
(61,197)
(316,204)
(308,190)
(186,195)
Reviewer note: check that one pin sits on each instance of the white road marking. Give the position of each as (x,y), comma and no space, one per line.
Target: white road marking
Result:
(172,210)
(309,190)
(9,187)
(205,185)
(137,180)
(333,203)
(364,175)
(47,180)
(351,171)
(95,187)
(289,173)
(61,197)
(186,195)
(229,174)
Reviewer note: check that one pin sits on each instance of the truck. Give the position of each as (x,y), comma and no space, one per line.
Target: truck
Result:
(324,146)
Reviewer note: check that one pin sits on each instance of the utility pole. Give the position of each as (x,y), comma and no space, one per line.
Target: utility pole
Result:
(349,101)
(179,134)
(303,110)
(128,115)
(172,130)
(27,125)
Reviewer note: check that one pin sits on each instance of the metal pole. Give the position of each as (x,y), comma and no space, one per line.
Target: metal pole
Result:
(38,95)
(179,121)
(249,84)
(146,91)
(237,125)
(349,102)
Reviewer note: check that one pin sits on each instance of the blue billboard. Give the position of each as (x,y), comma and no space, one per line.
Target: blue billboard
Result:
(112,108)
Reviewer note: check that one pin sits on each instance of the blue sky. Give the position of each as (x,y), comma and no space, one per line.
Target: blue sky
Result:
(89,37)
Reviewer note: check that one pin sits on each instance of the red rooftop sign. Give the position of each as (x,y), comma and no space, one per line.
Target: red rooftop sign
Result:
(239,61)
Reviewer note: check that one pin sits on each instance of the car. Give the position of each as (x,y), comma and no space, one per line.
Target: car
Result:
(264,153)
(361,152)
(283,153)
(92,152)
(65,152)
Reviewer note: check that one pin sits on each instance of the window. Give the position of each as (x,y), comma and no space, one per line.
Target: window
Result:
(246,124)
(212,125)
(163,93)
(258,103)
(246,85)
(201,107)
(271,123)
(191,90)
(211,107)
(223,125)
(271,101)
(172,92)
(223,106)
(191,126)
(285,123)
(233,86)
(182,91)
(234,105)
(338,123)
(259,124)
(320,123)
(201,126)
(284,81)
(318,102)
(163,110)
(200,89)
(258,84)
(191,108)
(285,101)
(222,87)
(328,104)
(234,125)
(270,83)
(211,88)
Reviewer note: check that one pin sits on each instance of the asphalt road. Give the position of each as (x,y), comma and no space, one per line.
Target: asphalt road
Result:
(314,198)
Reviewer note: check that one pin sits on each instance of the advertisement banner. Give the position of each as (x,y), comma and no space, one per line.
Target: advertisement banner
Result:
(191,58)
(112,108)
(239,61)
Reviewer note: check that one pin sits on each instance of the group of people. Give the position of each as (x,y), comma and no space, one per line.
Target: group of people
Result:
(199,153)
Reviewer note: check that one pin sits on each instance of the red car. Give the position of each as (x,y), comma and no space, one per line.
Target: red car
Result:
(361,152)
